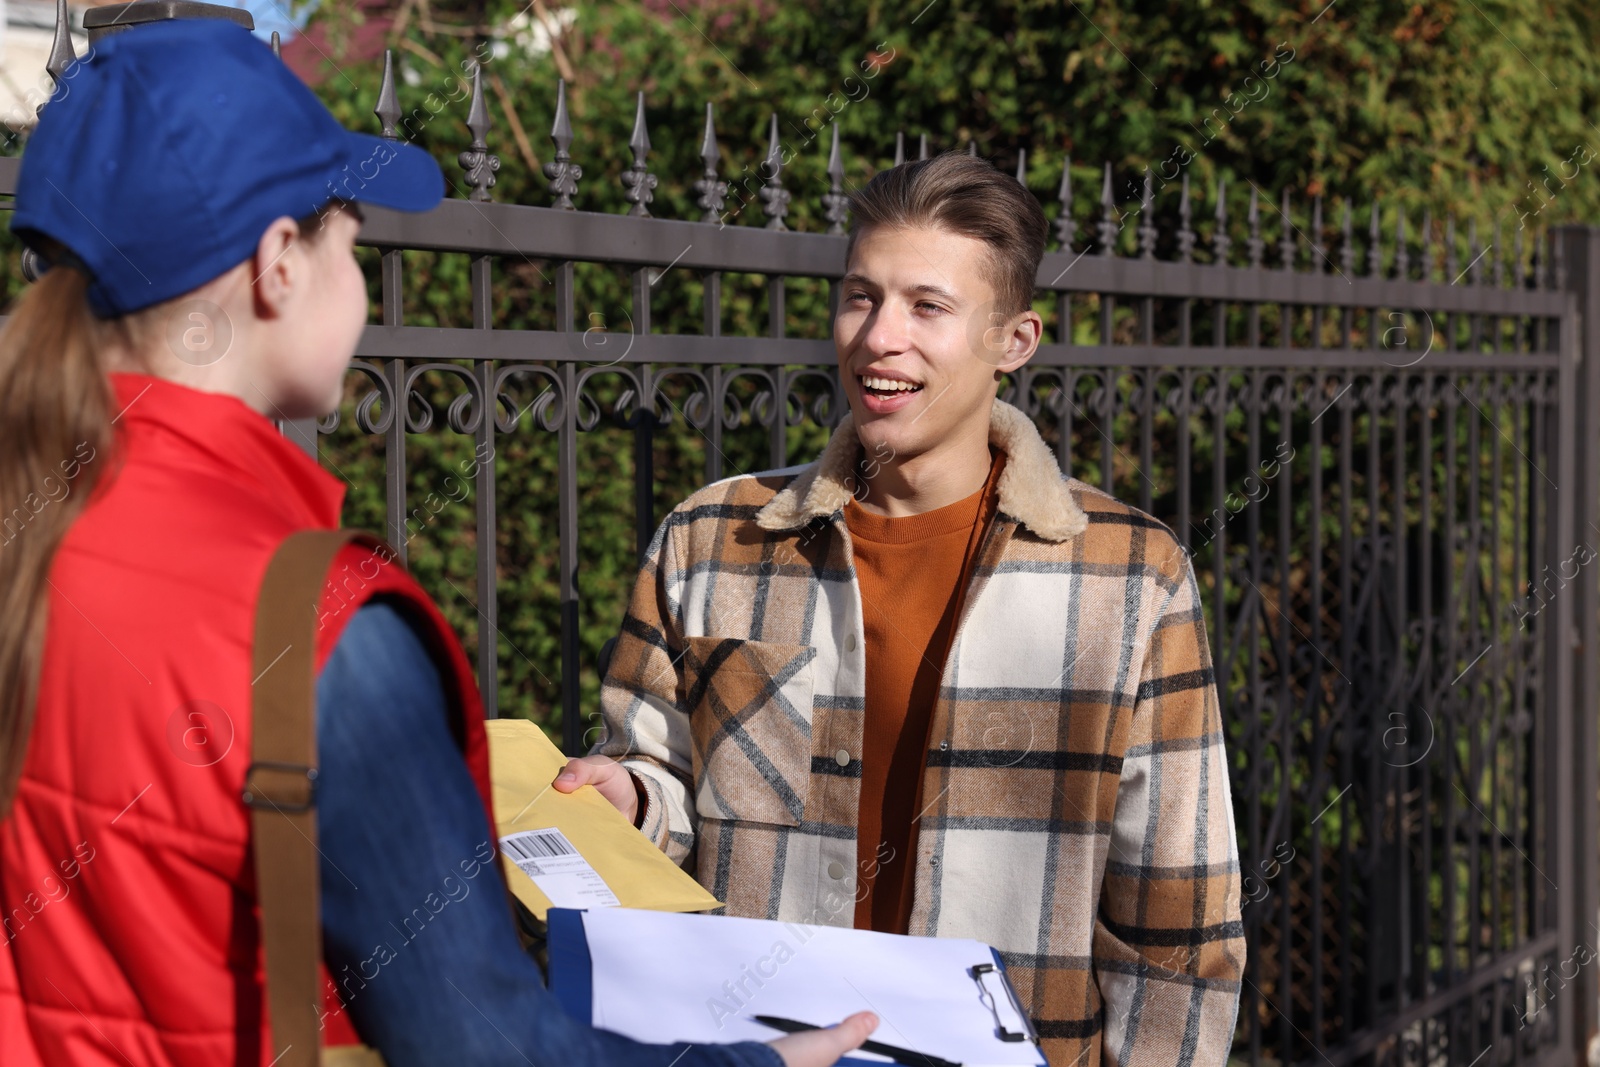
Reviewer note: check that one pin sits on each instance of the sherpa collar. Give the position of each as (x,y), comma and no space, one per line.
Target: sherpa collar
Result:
(1031,489)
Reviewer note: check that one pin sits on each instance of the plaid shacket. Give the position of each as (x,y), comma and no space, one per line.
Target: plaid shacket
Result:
(1076,812)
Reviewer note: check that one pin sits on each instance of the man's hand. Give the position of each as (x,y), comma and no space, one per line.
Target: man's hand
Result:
(821,1048)
(609,777)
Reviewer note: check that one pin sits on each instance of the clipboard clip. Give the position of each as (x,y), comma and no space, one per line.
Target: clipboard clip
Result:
(979,972)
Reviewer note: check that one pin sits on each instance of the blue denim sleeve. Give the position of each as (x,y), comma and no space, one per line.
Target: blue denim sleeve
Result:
(417,931)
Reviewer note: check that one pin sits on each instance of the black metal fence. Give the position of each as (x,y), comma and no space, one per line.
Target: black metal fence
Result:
(1378,445)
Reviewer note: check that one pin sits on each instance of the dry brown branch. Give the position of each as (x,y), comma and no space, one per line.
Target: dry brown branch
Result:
(557,52)
(518,134)
(416,49)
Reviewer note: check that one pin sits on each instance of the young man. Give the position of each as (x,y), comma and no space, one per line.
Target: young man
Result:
(928,685)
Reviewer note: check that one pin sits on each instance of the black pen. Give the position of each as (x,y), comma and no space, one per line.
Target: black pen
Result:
(899,1055)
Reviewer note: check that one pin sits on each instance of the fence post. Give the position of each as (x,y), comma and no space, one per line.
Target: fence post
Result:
(302,432)
(1580,246)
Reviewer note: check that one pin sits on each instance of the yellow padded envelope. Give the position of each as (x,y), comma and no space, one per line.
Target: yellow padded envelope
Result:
(522,764)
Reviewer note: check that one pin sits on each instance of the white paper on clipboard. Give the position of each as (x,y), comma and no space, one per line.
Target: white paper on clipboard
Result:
(663,977)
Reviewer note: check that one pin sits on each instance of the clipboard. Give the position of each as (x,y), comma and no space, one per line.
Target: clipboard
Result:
(573,984)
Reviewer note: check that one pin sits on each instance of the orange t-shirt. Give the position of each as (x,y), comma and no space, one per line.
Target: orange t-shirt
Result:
(912,571)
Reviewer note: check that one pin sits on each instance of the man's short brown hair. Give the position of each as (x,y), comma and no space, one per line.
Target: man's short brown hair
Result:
(963,195)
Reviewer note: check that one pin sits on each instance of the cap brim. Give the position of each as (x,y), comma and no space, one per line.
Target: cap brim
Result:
(389,174)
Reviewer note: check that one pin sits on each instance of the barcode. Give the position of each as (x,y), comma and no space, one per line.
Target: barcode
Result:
(539,844)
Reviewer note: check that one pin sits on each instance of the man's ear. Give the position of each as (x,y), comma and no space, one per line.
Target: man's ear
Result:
(1021,342)
(276,268)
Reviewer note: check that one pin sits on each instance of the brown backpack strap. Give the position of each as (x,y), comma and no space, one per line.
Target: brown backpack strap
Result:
(280,786)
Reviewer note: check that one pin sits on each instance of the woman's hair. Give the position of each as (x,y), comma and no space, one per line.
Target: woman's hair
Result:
(55,442)
(966,196)
(55,408)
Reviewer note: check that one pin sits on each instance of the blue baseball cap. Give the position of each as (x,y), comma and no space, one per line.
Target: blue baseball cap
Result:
(165,153)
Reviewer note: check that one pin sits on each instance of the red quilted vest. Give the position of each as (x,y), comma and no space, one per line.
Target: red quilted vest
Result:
(127,885)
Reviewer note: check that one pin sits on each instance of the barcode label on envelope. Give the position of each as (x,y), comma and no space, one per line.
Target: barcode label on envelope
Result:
(560,872)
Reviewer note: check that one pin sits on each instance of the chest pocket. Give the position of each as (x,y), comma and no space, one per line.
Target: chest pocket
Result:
(749,705)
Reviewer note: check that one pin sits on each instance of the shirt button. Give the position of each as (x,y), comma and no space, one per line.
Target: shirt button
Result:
(842,757)
(944,746)
(849,642)
(836,870)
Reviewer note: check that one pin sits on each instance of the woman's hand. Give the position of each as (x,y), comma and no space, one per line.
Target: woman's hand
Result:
(822,1048)
(609,777)
(813,1048)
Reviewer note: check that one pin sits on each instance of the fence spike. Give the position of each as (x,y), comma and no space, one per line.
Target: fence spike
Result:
(562,172)
(1256,245)
(388,106)
(1500,258)
(1147,223)
(972,148)
(1108,219)
(1475,268)
(640,184)
(479,164)
(1427,245)
(774,196)
(277,47)
(899,147)
(922,147)
(1286,243)
(713,192)
(1374,244)
(61,57)
(1066,228)
(1185,230)
(1538,257)
(835,205)
(640,140)
(1022,167)
(1347,246)
(1220,241)
(1402,257)
(62,54)
(1319,251)
(1558,261)
(1450,247)
(1519,276)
